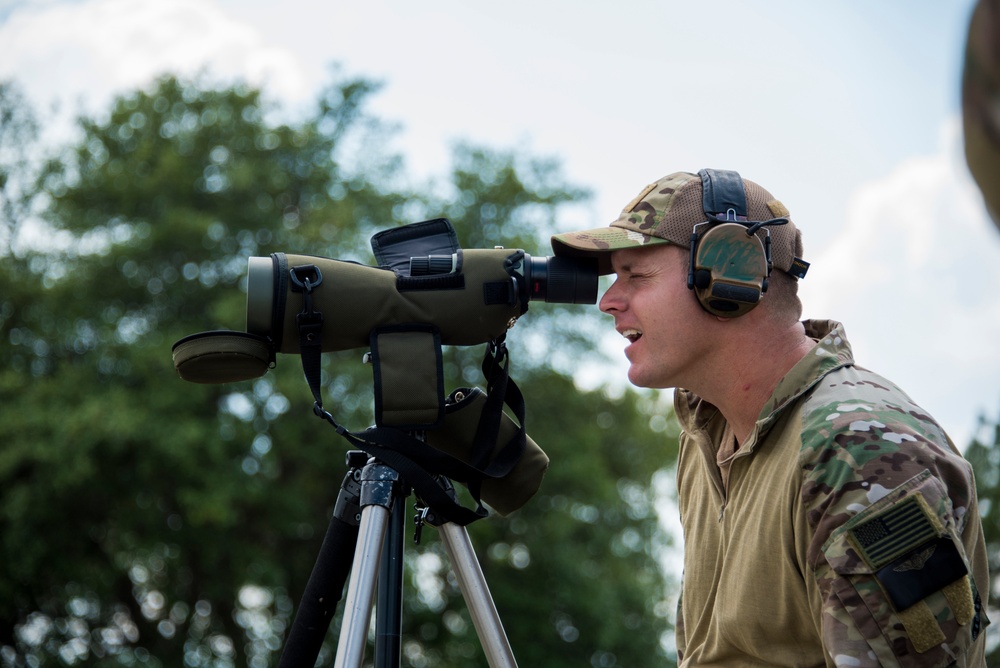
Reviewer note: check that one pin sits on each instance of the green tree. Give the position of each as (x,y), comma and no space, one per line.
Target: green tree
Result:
(147,520)
(984,455)
(18,144)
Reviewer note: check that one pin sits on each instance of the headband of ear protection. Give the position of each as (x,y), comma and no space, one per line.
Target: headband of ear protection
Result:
(730,264)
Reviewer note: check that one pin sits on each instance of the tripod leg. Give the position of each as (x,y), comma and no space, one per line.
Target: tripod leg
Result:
(389,616)
(477,596)
(361,588)
(380,485)
(326,583)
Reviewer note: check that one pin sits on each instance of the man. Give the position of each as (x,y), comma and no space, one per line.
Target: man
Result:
(827,519)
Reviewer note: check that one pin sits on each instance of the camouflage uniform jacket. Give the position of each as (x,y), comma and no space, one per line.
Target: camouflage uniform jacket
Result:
(847,533)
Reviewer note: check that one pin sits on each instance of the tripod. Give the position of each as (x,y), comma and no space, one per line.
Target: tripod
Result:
(367,532)
(409,384)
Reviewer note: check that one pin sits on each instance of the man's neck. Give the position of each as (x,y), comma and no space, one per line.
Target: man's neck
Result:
(749,374)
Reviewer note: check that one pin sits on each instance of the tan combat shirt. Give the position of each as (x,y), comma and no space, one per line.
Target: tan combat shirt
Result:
(843,534)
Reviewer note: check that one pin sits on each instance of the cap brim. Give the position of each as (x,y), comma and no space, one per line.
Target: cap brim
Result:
(600,243)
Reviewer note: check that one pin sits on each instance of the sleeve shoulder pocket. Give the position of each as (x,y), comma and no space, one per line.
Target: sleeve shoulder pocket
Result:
(898,581)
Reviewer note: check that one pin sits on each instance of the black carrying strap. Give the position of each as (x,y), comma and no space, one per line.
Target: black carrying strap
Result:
(305,279)
(500,390)
(388,444)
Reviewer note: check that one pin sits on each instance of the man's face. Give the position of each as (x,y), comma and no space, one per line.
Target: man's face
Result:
(654,309)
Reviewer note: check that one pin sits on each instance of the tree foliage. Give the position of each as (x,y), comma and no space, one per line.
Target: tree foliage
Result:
(18,142)
(146,520)
(984,455)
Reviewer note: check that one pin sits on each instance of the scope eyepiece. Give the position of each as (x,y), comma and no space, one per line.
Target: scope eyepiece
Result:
(561,280)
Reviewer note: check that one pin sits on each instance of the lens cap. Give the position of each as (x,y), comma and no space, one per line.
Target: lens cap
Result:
(222,357)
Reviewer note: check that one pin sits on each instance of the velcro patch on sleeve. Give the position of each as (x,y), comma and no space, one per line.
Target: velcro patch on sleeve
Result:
(921,628)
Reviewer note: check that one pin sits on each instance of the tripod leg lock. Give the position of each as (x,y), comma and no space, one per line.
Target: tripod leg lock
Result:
(348,506)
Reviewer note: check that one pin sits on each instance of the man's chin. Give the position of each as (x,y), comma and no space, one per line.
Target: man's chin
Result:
(637,377)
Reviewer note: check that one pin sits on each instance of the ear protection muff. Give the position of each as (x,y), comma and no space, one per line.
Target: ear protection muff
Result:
(730,264)
(729,270)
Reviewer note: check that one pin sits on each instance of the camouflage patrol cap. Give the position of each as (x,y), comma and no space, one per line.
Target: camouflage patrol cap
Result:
(666,212)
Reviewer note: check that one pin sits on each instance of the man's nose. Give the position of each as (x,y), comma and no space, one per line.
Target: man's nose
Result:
(611,300)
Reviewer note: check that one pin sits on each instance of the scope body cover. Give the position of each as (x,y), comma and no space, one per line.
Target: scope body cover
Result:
(473,306)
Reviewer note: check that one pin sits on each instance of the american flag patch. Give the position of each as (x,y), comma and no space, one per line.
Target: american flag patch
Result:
(895,531)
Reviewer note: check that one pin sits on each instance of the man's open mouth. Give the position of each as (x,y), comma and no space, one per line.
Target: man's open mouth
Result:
(632,335)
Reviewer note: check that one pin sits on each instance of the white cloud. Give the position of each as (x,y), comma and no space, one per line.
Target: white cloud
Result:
(88,51)
(914,275)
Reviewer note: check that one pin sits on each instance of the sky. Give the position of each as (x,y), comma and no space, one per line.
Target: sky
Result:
(847,112)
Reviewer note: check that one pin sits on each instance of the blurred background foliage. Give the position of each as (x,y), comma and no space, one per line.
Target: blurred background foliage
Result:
(984,455)
(148,521)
